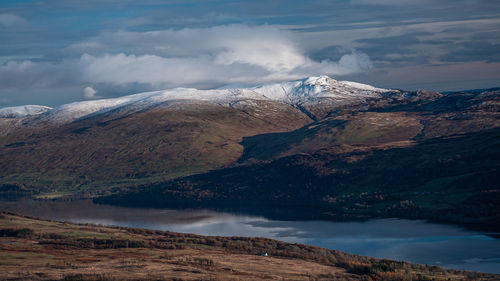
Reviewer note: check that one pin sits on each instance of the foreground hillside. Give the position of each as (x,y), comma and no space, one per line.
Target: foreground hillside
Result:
(34,249)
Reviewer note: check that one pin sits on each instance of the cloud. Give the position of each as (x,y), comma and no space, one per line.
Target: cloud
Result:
(356,60)
(210,71)
(203,57)
(400,50)
(90,93)
(264,46)
(11,20)
(473,51)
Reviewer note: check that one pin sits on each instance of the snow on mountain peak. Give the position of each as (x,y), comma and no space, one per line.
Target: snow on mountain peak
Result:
(322,80)
(327,81)
(316,87)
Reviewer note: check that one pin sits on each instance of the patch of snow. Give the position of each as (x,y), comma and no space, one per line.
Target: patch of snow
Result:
(362,86)
(23,111)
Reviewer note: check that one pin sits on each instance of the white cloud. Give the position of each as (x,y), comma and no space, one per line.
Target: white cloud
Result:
(216,55)
(204,57)
(356,61)
(90,93)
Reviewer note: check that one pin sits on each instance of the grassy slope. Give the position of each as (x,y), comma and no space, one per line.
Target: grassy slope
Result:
(360,129)
(96,155)
(34,249)
(453,114)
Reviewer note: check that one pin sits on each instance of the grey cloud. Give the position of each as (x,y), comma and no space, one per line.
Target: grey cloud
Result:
(486,35)
(184,42)
(401,40)
(330,52)
(396,51)
(474,51)
(444,43)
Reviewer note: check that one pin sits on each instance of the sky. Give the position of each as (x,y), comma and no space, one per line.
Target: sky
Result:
(59,51)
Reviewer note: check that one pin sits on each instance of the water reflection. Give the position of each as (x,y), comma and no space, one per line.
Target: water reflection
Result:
(414,241)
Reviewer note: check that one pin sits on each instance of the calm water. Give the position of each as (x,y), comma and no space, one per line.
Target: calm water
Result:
(414,241)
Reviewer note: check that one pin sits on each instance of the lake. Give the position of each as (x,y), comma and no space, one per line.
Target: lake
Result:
(398,239)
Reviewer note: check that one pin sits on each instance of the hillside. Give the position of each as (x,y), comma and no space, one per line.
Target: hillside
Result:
(35,249)
(161,143)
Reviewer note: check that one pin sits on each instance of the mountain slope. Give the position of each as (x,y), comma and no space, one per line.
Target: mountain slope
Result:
(161,143)
(394,124)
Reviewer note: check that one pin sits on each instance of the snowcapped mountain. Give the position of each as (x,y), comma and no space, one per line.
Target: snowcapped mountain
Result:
(313,89)
(279,143)
(319,124)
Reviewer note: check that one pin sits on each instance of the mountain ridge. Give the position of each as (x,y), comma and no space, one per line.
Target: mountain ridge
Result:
(291,92)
